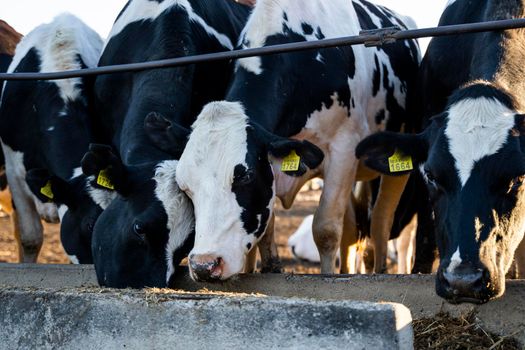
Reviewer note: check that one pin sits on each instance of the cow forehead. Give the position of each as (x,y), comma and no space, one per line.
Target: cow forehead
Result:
(476,128)
(217,143)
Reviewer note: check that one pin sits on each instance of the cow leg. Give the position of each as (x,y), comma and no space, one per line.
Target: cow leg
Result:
(405,247)
(270,262)
(390,191)
(251,261)
(425,246)
(519,257)
(327,227)
(349,241)
(28,224)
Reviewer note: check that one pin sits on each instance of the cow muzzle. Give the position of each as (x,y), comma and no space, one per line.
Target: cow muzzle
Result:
(465,284)
(206,267)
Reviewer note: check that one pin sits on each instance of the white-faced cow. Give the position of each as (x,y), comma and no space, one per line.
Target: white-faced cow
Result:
(45,127)
(147,227)
(305,112)
(471,154)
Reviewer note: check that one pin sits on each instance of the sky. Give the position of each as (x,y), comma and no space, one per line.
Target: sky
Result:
(24,15)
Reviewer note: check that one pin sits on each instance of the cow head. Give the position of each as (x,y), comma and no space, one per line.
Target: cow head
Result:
(135,244)
(472,159)
(226,169)
(78,212)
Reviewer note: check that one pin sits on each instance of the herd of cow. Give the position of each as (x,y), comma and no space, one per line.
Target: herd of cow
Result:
(145,169)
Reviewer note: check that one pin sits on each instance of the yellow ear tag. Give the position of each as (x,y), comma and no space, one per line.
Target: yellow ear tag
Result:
(400,162)
(291,162)
(47,191)
(104,180)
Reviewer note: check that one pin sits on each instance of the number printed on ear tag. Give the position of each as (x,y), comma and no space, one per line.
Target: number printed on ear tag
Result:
(47,191)
(291,162)
(400,162)
(104,180)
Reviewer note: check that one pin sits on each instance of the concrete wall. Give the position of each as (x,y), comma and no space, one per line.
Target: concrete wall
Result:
(110,319)
(504,315)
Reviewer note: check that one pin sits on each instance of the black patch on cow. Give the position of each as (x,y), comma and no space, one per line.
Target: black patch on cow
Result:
(249,246)
(365,21)
(307,28)
(285,16)
(258,174)
(319,33)
(377,76)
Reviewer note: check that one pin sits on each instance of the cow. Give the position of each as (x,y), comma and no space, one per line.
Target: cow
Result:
(302,112)
(146,228)
(45,128)
(471,154)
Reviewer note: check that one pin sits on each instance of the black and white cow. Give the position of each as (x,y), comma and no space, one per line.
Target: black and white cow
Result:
(45,127)
(471,154)
(318,104)
(147,228)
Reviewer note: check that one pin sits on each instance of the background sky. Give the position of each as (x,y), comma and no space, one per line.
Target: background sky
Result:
(24,15)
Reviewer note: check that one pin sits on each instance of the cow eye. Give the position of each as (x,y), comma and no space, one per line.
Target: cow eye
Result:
(139,230)
(244,179)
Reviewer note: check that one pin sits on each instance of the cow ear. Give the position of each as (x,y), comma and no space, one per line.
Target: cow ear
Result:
(392,153)
(106,168)
(49,188)
(165,135)
(296,156)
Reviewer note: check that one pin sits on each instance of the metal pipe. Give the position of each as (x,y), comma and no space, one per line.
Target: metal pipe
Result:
(368,38)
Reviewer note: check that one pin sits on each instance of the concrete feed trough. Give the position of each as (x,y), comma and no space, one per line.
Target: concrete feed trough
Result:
(93,318)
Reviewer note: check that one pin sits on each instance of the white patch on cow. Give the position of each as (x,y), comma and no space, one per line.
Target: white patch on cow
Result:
(62,209)
(217,144)
(450,2)
(76,172)
(455,261)
(59,44)
(319,58)
(178,206)
(146,10)
(102,198)
(73,259)
(476,128)
(51,128)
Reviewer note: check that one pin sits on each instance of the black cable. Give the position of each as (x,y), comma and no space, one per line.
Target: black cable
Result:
(369,38)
